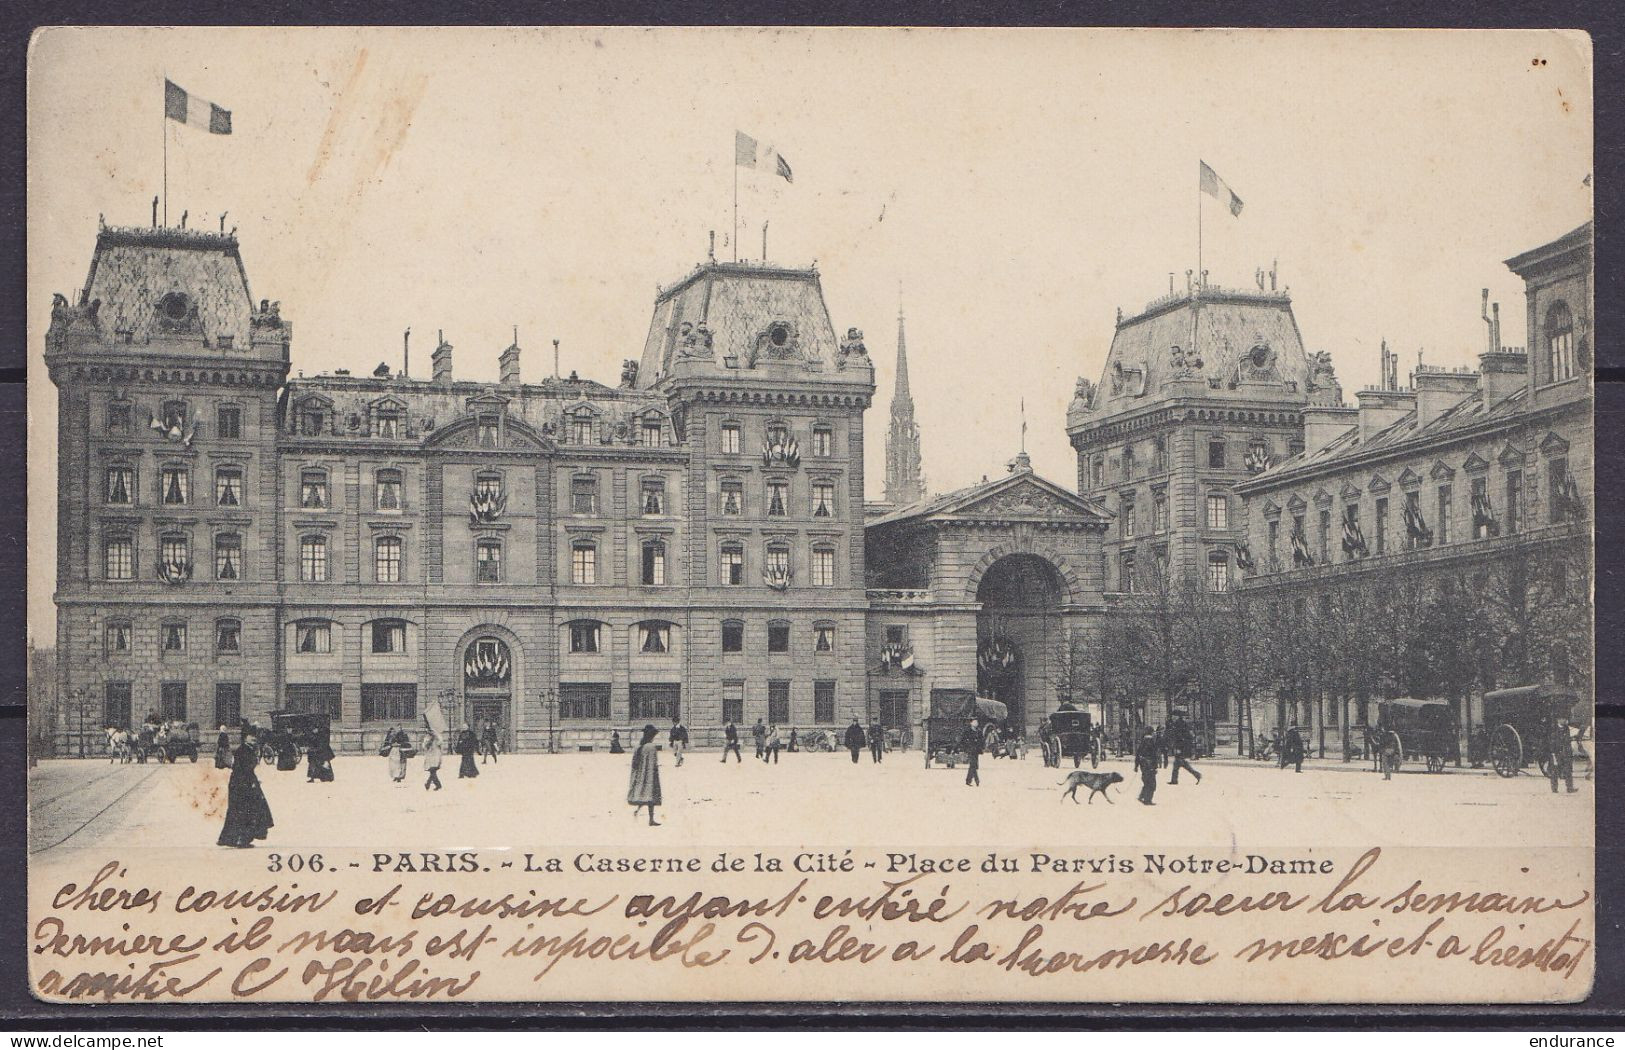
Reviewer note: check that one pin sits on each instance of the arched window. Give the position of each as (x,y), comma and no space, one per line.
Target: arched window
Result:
(654,637)
(313,558)
(386,559)
(654,563)
(733,636)
(586,636)
(313,637)
(116,637)
(388,637)
(228,556)
(823,637)
(1559,342)
(228,636)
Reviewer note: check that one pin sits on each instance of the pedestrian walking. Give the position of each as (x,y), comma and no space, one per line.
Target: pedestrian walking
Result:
(222,749)
(1162,745)
(488,741)
(774,743)
(678,738)
(730,742)
(466,746)
(615,747)
(1389,755)
(854,739)
(645,786)
(970,742)
(319,759)
(877,742)
(1560,763)
(433,754)
(394,749)
(758,733)
(1147,761)
(1292,750)
(248,815)
(793,743)
(1183,742)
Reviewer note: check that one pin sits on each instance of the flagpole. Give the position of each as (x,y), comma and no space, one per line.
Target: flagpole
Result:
(735,236)
(163,124)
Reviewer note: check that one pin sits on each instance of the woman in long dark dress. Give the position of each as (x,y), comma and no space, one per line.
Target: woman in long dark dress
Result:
(467,745)
(645,787)
(222,749)
(248,815)
(319,760)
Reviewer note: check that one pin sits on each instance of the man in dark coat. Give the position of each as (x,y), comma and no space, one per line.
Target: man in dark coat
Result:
(1147,761)
(488,741)
(1182,742)
(970,742)
(877,742)
(730,742)
(854,739)
(1292,750)
(248,815)
(1560,755)
(758,732)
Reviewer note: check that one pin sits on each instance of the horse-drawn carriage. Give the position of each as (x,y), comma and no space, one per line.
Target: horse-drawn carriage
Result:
(293,733)
(1070,733)
(952,710)
(1415,730)
(1518,724)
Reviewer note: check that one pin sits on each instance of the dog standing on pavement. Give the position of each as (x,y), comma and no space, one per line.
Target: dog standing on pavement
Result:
(1097,783)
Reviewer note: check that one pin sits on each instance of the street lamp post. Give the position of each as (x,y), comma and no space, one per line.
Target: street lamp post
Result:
(550,700)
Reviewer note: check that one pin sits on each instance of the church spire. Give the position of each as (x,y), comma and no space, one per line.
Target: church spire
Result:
(905,481)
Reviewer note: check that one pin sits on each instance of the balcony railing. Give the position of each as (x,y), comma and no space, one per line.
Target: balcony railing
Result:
(899,595)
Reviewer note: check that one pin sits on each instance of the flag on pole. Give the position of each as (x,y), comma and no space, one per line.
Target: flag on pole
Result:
(1216,188)
(748,153)
(181,106)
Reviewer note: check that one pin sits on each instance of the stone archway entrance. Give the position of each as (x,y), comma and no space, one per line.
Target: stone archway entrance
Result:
(1018,634)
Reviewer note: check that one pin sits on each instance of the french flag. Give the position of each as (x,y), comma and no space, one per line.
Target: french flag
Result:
(182,107)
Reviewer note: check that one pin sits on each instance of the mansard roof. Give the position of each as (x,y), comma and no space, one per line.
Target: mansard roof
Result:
(134,269)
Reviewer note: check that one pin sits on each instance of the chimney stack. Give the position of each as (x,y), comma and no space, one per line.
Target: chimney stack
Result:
(440,360)
(508,363)
(1323,424)
(1381,409)
(1437,392)
(1503,373)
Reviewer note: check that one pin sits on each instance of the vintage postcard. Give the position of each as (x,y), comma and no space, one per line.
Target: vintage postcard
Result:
(855,515)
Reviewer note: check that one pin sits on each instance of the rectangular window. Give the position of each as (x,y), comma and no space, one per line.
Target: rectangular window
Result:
(1325,534)
(118,422)
(1098,472)
(733,702)
(228,556)
(583,563)
(228,422)
(823,639)
(651,433)
(228,703)
(733,498)
(733,565)
(488,561)
(778,637)
(584,701)
(1381,525)
(1514,500)
(655,702)
(312,421)
(120,558)
(174,637)
(1218,510)
(388,636)
(116,637)
(778,498)
(315,637)
(174,486)
(1413,509)
(778,702)
(389,701)
(1218,573)
(228,636)
(896,634)
(488,486)
(824,702)
(387,424)
(1128,519)
(583,495)
(654,496)
(1274,550)
(823,441)
(654,637)
(1351,528)
(823,499)
(175,551)
(1482,510)
(1215,454)
(121,486)
(732,438)
(581,431)
(228,487)
(488,431)
(733,636)
(823,567)
(313,559)
(894,707)
(326,698)
(172,701)
(1159,512)
(386,559)
(654,564)
(1443,528)
(1557,474)
(313,490)
(778,563)
(1126,572)
(387,490)
(116,704)
(585,637)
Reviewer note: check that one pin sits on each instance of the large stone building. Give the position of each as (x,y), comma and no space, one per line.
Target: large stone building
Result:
(562,556)
(1476,481)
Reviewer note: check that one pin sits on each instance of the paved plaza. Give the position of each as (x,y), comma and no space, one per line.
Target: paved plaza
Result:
(806,801)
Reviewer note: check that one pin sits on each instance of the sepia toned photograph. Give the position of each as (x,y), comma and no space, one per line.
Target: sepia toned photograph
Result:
(788,515)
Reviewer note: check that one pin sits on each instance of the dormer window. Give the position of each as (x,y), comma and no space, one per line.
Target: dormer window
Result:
(174,307)
(1559,342)
(312,419)
(386,423)
(488,424)
(581,429)
(652,433)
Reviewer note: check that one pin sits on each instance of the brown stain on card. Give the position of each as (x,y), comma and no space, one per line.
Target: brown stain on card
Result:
(341,109)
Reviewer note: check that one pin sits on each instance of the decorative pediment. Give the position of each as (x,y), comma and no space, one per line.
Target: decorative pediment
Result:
(513,435)
(1323,498)
(1475,464)
(1296,503)
(1553,444)
(1511,456)
(1441,471)
(1271,509)
(387,402)
(1350,490)
(1379,483)
(1025,499)
(1409,478)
